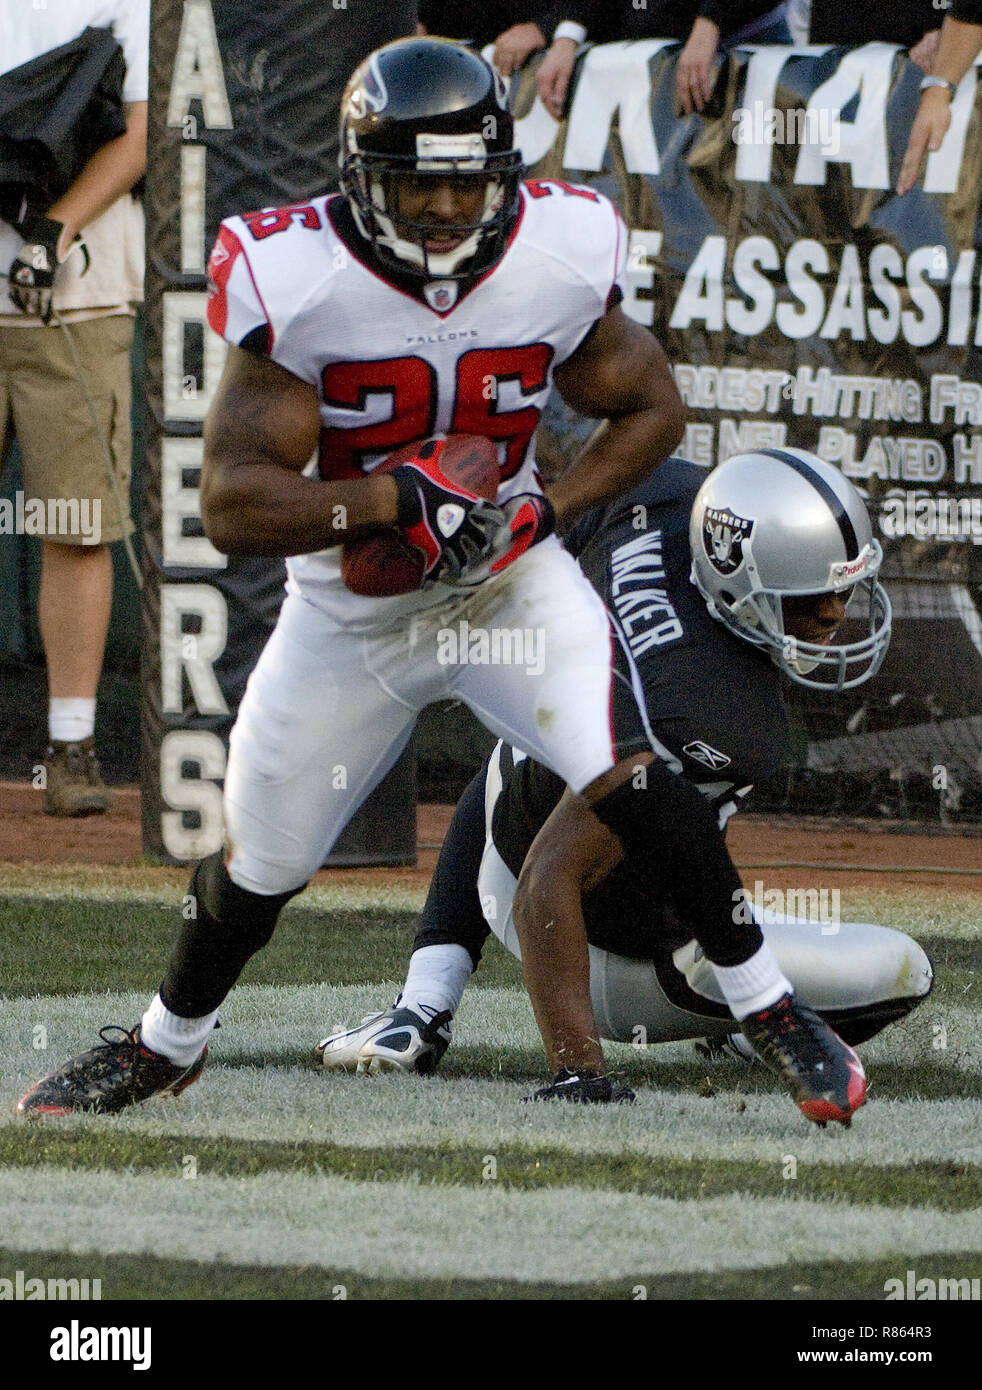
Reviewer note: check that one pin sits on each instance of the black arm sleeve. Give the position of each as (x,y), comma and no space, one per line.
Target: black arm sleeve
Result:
(452,913)
(671,836)
(583,12)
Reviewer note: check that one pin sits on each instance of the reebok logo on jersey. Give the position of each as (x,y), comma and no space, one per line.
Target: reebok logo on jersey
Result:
(709,757)
(449,518)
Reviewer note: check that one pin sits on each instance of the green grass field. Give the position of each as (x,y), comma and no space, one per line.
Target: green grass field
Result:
(270,1180)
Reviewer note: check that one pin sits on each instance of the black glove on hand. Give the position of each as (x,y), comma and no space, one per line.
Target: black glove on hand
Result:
(452,527)
(526,519)
(584,1088)
(32,272)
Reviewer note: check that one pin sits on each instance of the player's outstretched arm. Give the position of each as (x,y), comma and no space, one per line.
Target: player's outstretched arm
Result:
(572,853)
(619,374)
(259,435)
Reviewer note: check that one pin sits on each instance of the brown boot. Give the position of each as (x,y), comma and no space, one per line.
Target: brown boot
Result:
(74,785)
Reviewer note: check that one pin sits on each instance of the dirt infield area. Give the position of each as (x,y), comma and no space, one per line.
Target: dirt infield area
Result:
(774,850)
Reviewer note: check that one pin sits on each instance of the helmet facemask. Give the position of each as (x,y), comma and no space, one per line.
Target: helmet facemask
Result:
(372,184)
(760,618)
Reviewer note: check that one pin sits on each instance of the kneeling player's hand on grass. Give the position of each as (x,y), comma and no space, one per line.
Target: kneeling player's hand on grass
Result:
(584,1088)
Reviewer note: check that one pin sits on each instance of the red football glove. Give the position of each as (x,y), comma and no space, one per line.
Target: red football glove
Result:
(523,521)
(529,518)
(455,529)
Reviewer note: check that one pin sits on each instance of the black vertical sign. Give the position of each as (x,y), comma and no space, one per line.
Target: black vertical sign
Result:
(243,114)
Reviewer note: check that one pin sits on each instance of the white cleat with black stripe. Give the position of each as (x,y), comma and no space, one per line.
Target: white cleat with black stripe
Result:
(394,1040)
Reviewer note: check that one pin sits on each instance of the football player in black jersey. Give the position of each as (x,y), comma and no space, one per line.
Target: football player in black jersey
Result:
(631,916)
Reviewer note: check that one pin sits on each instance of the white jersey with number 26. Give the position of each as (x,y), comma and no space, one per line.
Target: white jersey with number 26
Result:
(390,367)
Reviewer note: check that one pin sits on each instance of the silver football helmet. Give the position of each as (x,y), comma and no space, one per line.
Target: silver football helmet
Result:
(781,523)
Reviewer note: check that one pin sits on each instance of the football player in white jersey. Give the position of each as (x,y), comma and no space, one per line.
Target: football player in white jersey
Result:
(436,294)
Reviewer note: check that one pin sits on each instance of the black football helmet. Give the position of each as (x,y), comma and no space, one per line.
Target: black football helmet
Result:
(433,109)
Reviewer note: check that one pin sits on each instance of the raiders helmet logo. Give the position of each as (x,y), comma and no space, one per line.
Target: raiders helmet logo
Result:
(723,535)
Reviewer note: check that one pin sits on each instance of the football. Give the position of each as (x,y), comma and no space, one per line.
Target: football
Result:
(384,563)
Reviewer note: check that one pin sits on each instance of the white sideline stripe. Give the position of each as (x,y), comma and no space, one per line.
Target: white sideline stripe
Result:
(392,1112)
(562,1234)
(289,1102)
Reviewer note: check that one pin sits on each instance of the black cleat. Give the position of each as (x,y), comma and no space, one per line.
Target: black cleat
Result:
(824,1075)
(584,1088)
(109,1078)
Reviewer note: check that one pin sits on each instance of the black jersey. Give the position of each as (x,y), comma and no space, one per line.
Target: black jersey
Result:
(712,702)
(712,707)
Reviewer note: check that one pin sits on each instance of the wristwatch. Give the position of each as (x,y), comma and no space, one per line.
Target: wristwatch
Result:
(938,82)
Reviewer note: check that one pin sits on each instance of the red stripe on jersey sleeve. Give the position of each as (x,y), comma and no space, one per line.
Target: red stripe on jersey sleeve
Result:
(220,263)
(616,294)
(228,248)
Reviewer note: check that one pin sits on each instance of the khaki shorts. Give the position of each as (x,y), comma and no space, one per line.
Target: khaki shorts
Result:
(63,461)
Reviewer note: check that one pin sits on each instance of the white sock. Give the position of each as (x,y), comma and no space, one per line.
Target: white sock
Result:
(436,979)
(180,1040)
(69,721)
(754,985)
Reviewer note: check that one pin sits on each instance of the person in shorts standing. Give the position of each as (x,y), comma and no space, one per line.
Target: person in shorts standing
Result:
(69,275)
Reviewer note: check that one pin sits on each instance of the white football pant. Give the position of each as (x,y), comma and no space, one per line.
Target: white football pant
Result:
(327,712)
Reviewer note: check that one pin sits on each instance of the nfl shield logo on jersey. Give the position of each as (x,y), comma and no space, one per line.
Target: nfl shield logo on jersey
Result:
(723,534)
(441,294)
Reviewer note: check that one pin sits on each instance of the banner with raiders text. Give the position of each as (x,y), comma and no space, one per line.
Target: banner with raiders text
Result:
(243,114)
(802,302)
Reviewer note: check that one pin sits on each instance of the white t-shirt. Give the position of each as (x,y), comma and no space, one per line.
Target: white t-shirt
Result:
(115,240)
(390,368)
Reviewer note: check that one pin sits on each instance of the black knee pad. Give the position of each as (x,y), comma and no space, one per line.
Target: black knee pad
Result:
(671,837)
(252,916)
